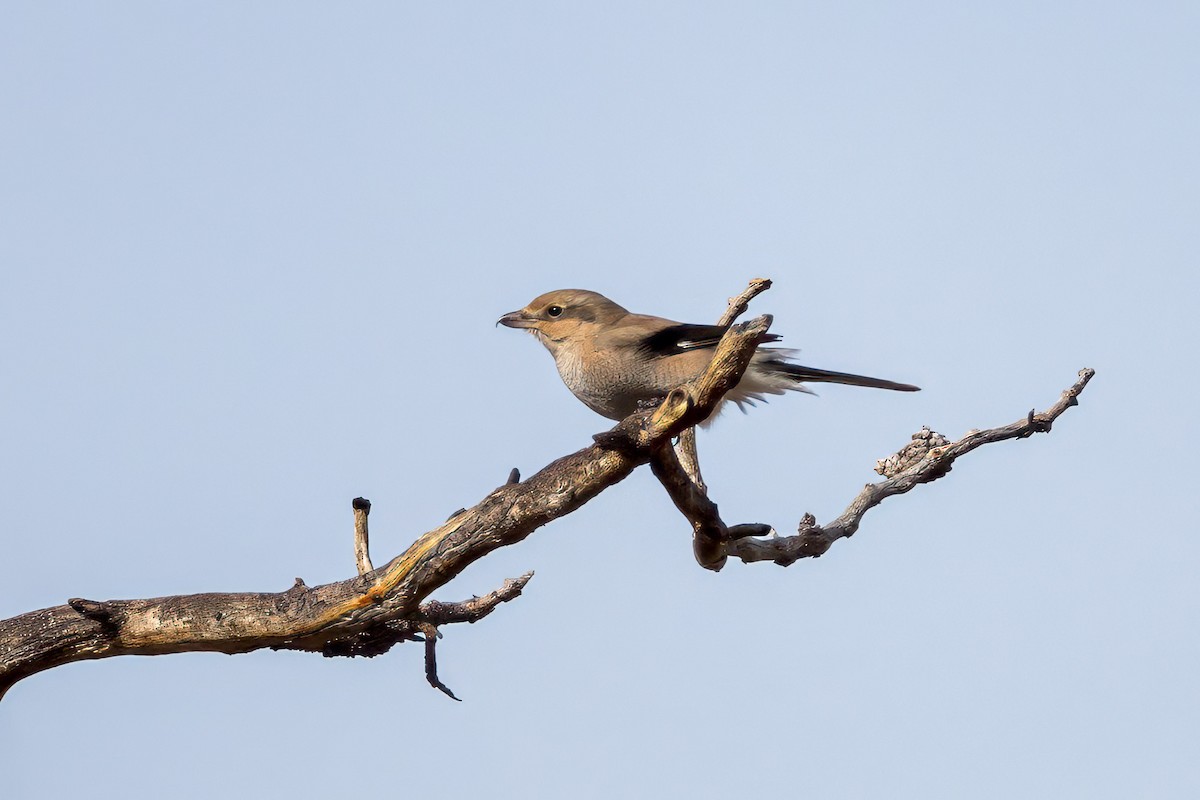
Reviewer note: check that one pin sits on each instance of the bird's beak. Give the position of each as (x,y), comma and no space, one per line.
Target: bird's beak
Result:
(516,319)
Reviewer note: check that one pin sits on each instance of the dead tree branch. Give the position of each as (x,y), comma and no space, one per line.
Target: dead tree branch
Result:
(813,540)
(926,458)
(370,613)
(685,446)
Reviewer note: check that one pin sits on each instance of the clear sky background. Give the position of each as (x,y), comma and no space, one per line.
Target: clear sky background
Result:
(252,256)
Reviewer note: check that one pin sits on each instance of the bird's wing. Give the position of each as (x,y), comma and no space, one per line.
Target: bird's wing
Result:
(681,337)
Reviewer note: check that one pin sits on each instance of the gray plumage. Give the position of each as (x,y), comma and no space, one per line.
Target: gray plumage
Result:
(616,361)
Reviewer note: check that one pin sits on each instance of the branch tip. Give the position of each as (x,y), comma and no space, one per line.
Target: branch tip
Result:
(738,305)
(362,543)
(431,673)
(928,457)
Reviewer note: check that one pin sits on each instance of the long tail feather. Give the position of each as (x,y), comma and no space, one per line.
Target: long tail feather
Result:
(813,375)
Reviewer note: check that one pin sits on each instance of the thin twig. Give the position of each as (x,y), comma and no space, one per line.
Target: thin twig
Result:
(812,540)
(438,612)
(431,673)
(739,304)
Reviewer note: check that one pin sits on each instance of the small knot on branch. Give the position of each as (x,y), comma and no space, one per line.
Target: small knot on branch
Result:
(677,403)
(923,441)
(1039,424)
(96,612)
(296,597)
(738,305)
(625,436)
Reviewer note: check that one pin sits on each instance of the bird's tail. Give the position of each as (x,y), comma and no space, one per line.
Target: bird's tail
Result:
(771,373)
(800,374)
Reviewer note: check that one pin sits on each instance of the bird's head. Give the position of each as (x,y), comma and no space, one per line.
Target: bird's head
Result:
(560,316)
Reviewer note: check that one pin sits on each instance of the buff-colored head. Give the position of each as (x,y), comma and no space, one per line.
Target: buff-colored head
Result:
(562,315)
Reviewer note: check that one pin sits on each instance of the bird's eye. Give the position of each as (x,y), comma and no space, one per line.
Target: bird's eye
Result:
(554,311)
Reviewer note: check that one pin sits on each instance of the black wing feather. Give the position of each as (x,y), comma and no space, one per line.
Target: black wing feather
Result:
(683,337)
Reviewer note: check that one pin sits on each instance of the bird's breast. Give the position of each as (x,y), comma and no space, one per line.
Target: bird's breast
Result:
(603,383)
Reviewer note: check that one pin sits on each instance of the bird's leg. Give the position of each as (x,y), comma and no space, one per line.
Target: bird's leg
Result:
(650,403)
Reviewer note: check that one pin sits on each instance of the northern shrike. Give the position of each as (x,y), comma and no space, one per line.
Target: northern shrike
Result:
(617,362)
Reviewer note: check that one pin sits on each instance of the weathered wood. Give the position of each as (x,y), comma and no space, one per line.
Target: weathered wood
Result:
(813,539)
(368,614)
(928,457)
(362,539)
(685,446)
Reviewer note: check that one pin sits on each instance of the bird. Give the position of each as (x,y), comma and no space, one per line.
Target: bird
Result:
(618,362)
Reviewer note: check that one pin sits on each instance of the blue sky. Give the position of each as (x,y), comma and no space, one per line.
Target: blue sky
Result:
(252,257)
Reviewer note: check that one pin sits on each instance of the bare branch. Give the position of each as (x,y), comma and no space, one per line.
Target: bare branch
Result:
(739,304)
(475,609)
(813,540)
(679,471)
(709,533)
(431,674)
(912,453)
(378,639)
(368,614)
(362,547)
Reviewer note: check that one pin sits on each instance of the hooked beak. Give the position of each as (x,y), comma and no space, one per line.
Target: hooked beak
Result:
(516,319)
